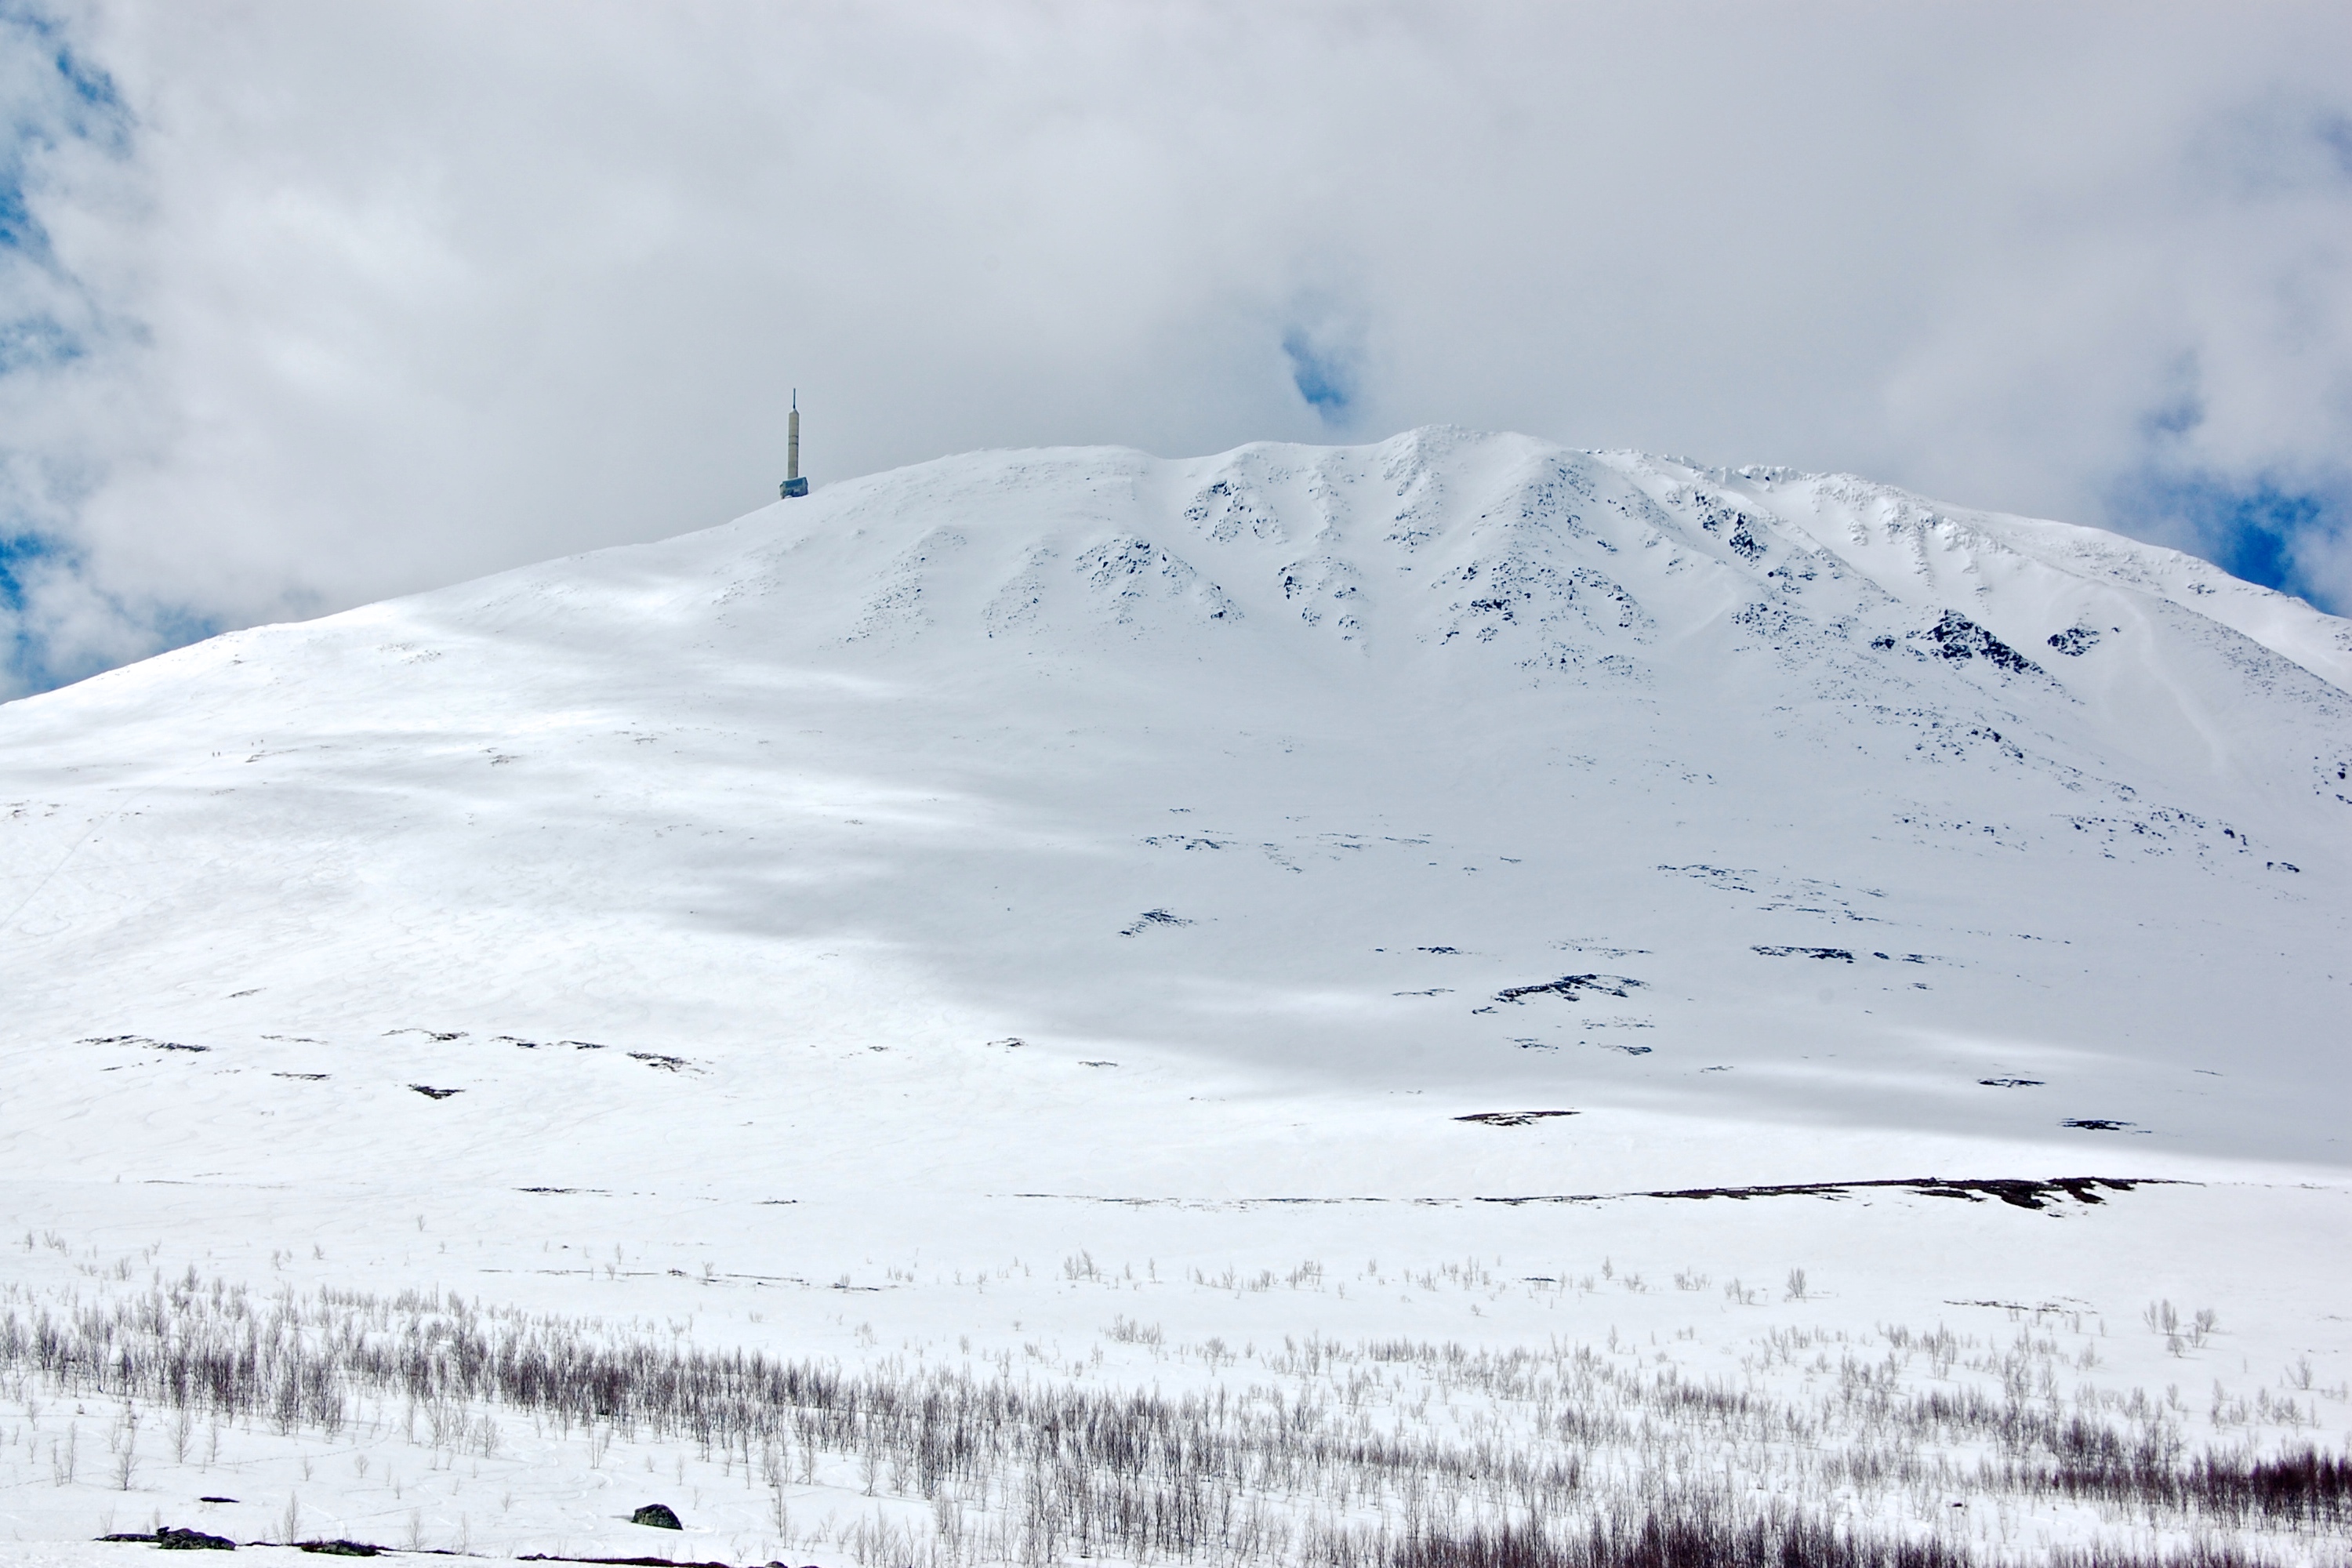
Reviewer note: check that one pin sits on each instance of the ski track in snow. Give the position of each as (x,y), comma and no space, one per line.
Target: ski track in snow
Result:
(1195,866)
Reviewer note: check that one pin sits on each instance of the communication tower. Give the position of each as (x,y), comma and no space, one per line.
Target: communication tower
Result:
(794,484)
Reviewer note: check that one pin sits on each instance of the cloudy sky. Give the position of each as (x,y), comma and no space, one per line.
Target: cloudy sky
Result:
(306,304)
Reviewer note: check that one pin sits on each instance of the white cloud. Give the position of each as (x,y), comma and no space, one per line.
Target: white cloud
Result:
(393,295)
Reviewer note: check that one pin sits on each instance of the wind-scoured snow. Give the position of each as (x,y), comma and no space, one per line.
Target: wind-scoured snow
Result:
(903,872)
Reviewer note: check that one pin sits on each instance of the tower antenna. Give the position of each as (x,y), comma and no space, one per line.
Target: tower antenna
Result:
(794,484)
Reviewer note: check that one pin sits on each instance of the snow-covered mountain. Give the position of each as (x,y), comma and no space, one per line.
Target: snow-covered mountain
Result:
(1366,894)
(1407,782)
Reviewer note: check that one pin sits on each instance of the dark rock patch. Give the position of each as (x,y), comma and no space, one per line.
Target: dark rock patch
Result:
(1511,1118)
(1959,640)
(2017,1192)
(429,1092)
(170,1538)
(1572,987)
(1833,952)
(657,1516)
(2075,641)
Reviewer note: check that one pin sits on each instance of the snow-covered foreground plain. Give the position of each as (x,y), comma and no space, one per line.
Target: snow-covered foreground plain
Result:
(1037,929)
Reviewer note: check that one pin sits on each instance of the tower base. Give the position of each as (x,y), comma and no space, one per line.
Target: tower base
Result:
(791,488)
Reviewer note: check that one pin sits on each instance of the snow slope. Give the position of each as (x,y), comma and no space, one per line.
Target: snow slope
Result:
(960,846)
(1286,764)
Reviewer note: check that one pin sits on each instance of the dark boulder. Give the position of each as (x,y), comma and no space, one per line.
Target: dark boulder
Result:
(171,1540)
(657,1515)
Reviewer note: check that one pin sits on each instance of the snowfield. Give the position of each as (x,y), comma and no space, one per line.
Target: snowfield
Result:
(1460,984)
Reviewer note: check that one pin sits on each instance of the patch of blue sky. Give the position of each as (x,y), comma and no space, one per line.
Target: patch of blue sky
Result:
(36,340)
(2259,526)
(53,98)
(1324,376)
(30,662)
(49,96)
(13,553)
(2258,530)
(52,95)
(22,658)
(17,228)
(41,35)
(94,88)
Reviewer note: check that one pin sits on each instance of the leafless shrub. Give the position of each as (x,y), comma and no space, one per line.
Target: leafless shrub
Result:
(1035,1470)
(126,1455)
(1129,1333)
